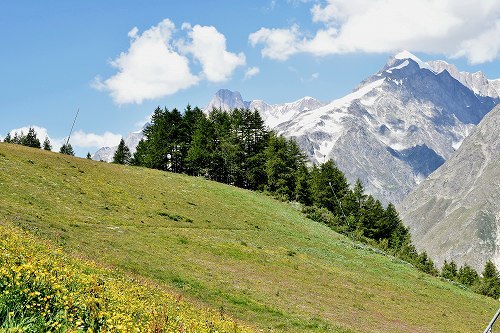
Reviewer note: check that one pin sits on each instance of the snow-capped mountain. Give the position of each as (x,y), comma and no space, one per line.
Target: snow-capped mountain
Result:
(272,114)
(477,81)
(455,213)
(131,141)
(391,132)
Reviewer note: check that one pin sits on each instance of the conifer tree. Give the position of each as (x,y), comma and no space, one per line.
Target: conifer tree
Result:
(46,144)
(122,154)
(18,138)
(67,149)
(490,281)
(303,192)
(449,270)
(283,160)
(467,275)
(30,140)
(329,186)
(8,138)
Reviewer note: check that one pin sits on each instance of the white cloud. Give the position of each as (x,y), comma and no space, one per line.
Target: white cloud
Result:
(157,64)
(280,44)
(150,68)
(82,139)
(251,72)
(451,27)
(208,46)
(41,134)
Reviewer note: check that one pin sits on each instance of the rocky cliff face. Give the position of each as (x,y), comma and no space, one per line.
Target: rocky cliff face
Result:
(455,213)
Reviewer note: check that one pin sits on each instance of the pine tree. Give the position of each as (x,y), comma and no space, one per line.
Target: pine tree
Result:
(141,155)
(46,144)
(8,138)
(329,186)
(303,186)
(18,138)
(283,161)
(67,149)
(449,270)
(467,276)
(425,264)
(490,281)
(122,154)
(199,155)
(30,140)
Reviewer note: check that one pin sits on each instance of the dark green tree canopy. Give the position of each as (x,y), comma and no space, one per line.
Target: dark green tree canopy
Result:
(46,144)
(31,140)
(67,149)
(122,154)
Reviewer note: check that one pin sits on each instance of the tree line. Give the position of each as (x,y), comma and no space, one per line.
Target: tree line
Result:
(31,140)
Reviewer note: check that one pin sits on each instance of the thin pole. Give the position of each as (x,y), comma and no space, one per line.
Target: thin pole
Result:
(341,209)
(71,131)
(338,201)
(490,325)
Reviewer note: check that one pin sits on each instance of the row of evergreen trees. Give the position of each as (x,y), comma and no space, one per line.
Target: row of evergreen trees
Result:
(487,284)
(31,140)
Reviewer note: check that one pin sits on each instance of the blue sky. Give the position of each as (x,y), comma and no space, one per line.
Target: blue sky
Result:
(118,60)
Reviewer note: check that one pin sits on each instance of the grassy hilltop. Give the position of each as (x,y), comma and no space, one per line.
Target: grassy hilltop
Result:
(240,253)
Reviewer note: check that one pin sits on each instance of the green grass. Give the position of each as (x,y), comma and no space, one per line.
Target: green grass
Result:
(240,252)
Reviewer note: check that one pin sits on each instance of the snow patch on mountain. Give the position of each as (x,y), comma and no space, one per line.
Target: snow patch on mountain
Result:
(272,114)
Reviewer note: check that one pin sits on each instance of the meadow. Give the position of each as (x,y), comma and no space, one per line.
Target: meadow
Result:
(241,254)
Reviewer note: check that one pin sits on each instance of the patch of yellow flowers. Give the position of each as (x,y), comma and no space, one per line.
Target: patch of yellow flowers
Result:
(43,290)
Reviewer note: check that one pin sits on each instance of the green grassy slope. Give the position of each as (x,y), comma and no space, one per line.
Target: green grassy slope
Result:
(243,253)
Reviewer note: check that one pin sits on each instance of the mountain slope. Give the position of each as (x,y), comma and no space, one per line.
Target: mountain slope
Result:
(237,251)
(455,213)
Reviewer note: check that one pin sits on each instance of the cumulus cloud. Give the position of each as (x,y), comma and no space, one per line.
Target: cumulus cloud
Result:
(82,139)
(251,72)
(208,47)
(457,28)
(150,68)
(279,44)
(158,64)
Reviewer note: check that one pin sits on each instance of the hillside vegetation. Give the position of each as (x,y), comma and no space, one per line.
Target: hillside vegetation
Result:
(43,290)
(238,252)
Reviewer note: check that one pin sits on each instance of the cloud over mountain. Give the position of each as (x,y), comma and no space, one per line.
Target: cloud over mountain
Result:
(455,28)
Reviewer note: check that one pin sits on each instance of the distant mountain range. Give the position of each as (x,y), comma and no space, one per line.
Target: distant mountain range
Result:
(455,213)
(391,132)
